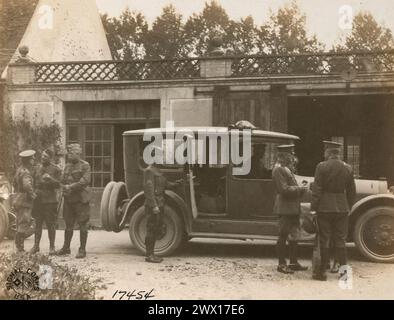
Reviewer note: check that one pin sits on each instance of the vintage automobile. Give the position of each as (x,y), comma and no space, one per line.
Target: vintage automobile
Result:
(213,202)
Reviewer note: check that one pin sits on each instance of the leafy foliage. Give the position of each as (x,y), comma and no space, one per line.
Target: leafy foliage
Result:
(22,134)
(367,35)
(67,283)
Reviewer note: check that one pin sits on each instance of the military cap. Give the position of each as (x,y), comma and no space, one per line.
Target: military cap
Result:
(74,148)
(332,145)
(289,148)
(27,154)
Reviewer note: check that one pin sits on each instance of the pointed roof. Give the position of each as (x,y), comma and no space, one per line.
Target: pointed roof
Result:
(66,30)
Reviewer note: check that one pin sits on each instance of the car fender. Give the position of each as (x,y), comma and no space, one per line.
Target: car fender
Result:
(171,197)
(370,201)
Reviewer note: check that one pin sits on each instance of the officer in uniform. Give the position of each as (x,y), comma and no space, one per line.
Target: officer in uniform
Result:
(288,207)
(333,195)
(24,198)
(155,184)
(76,191)
(47,178)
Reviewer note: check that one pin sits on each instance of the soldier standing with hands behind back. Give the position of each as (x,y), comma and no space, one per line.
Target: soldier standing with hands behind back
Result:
(25,195)
(76,181)
(288,207)
(333,195)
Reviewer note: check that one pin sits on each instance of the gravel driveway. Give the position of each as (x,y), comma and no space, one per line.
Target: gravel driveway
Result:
(216,269)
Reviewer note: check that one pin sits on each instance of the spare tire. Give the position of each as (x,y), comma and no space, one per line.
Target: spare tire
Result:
(116,204)
(105,205)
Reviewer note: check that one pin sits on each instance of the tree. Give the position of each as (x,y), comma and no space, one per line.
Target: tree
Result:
(245,36)
(212,22)
(367,35)
(166,39)
(126,35)
(286,33)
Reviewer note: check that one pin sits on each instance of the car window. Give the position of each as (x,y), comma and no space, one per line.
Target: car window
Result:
(262,161)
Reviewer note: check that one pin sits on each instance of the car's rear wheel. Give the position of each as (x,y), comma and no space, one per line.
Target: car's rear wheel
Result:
(4,223)
(374,234)
(171,238)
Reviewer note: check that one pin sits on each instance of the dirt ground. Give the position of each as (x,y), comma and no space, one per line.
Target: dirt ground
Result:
(216,269)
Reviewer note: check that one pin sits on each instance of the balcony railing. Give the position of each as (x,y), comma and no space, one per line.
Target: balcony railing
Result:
(118,70)
(241,66)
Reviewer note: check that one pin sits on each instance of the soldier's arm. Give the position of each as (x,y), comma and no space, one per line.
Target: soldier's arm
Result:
(149,187)
(280,178)
(351,189)
(317,188)
(84,181)
(53,181)
(27,184)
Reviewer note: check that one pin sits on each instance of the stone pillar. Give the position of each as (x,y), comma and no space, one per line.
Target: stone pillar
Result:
(216,64)
(278,106)
(23,70)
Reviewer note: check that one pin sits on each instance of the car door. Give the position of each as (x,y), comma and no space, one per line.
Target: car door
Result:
(253,196)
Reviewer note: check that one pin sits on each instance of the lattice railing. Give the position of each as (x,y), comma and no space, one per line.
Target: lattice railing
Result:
(242,66)
(117,70)
(305,64)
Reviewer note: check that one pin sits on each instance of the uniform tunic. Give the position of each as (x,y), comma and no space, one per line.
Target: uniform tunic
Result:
(76,201)
(24,199)
(45,206)
(333,195)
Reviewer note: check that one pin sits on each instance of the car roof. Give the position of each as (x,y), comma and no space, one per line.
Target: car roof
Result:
(218,130)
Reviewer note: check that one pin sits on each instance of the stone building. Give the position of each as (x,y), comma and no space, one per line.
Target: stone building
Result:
(347,97)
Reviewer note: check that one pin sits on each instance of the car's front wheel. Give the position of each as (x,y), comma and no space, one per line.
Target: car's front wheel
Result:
(374,234)
(170,238)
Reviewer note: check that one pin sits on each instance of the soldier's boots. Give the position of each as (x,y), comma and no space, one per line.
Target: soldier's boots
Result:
(19,242)
(153,259)
(325,258)
(297,267)
(37,239)
(150,249)
(82,249)
(51,236)
(283,268)
(67,241)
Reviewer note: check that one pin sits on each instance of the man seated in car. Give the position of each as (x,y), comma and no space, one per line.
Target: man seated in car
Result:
(258,169)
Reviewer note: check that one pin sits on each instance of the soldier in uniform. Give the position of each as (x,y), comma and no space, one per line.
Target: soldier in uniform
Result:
(76,191)
(47,178)
(25,195)
(155,184)
(287,206)
(333,195)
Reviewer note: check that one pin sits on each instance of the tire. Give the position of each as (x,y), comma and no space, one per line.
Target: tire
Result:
(171,240)
(374,234)
(115,213)
(4,223)
(105,205)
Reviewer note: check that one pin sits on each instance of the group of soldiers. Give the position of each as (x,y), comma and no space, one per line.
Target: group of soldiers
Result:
(333,194)
(37,190)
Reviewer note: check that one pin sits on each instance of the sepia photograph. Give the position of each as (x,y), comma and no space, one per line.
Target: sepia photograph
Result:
(215,151)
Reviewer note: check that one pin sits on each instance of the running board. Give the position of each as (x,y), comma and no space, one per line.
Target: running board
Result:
(231,236)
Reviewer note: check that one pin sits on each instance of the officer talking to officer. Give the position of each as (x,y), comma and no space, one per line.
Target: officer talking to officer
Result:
(333,195)
(24,198)
(47,178)
(155,184)
(288,207)
(76,181)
